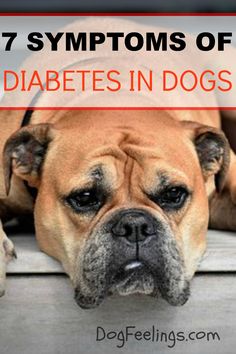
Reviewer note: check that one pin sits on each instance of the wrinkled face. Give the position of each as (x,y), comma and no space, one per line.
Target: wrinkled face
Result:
(122,206)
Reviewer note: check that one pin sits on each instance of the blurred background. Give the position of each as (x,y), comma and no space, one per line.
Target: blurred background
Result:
(118,6)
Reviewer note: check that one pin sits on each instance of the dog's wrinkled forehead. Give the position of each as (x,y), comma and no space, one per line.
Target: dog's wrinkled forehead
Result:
(86,142)
(107,154)
(102,148)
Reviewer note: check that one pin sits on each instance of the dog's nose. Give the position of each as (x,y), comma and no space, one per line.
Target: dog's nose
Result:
(135,226)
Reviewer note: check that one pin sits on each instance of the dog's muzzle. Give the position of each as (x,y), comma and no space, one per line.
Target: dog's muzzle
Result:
(133,252)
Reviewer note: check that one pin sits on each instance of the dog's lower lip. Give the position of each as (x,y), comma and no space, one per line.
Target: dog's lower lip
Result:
(132,277)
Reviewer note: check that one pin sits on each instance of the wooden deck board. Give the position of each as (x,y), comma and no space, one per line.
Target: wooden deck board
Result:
(220,255)
(38,315)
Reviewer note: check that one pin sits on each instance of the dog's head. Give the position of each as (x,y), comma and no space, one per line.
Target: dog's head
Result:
(122,199)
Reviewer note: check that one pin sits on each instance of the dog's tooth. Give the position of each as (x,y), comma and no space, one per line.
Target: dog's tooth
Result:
(133,265)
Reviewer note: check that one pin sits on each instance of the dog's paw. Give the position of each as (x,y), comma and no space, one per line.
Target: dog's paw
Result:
(7,253)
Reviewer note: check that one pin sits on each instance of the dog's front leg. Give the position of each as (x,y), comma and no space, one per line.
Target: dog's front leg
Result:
(7,252)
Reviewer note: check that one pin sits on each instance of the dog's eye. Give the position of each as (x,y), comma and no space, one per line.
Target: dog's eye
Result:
(86,200)
(172,198)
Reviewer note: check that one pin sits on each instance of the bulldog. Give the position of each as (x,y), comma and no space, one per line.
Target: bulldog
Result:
(122,198)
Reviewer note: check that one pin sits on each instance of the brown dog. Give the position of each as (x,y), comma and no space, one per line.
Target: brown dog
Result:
(124,210)
(122,196)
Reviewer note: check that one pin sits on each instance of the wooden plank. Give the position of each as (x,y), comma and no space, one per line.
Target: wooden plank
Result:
(38,315)
(220,255)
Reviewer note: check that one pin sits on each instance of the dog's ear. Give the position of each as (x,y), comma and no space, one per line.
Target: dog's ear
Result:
(213,151)
(24,153)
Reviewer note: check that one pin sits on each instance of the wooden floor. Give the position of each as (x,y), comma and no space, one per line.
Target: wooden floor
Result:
(38,314)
